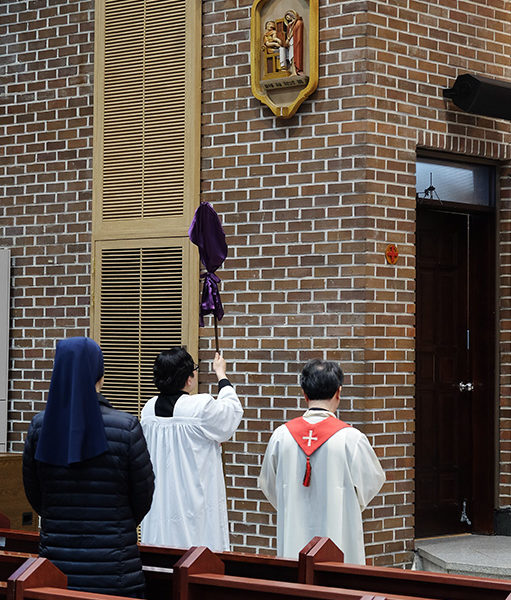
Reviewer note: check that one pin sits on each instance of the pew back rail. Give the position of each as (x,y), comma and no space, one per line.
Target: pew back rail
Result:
(320,563)
(200,575)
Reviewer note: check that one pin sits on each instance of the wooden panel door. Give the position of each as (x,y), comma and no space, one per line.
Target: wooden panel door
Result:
(443,450)
(455,372)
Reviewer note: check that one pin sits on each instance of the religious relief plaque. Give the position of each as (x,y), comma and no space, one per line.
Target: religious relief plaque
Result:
(284,53)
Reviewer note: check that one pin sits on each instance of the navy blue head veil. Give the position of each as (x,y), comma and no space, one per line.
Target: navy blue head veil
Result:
(73,428)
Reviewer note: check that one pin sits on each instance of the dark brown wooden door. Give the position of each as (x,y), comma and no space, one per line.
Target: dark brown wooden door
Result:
(454,376)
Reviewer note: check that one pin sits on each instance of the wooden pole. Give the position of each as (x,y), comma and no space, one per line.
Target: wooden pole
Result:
(217,346)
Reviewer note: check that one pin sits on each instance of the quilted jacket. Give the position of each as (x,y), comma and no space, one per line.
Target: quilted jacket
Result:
(90,510)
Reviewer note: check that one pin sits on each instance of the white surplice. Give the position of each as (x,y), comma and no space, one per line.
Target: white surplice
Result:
(189,504)
(345,476)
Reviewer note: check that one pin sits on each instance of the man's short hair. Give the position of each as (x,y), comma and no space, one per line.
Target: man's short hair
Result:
(320,379)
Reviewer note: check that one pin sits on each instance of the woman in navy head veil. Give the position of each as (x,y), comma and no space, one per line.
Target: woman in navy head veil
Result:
(72,428)
(88,474)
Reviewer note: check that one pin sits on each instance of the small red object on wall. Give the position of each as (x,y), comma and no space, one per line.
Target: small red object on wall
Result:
(391,254)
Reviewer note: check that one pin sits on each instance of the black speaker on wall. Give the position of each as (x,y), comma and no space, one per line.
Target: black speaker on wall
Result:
(481,96)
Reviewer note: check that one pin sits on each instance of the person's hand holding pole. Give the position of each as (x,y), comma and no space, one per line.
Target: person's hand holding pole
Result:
(219,366)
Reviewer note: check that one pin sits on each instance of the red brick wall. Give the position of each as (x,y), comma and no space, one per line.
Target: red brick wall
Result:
(46,120)
(308,204)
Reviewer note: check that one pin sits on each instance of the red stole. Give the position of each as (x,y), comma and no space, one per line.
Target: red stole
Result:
(310,436)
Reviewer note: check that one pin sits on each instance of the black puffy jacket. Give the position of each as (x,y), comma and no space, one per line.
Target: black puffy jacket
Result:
(89,510)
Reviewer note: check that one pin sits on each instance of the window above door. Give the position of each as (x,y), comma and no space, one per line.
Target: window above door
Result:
(441,181)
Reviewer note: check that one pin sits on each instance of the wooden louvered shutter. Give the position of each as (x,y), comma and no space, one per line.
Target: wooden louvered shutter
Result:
(146,146)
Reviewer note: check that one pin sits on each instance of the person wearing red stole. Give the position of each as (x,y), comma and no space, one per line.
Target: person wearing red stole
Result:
(319,472)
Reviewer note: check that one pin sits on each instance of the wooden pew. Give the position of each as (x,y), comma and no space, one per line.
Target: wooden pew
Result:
(200,575)
(14,540)
(33,573)
(10,562)
(159,561)
(320,563)
(39,579)
(236,563)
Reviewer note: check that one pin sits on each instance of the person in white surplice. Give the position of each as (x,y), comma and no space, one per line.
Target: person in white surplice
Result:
(319,472)
(184,432)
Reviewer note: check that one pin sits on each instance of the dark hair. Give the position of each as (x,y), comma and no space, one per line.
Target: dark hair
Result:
(320,379)
(171,370)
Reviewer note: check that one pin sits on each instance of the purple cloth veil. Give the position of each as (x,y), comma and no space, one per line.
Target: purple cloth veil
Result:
(207,233)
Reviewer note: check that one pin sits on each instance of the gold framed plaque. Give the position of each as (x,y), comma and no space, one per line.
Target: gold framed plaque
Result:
(284,53)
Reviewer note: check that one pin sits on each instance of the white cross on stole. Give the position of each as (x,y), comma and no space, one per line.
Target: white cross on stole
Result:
(309,438)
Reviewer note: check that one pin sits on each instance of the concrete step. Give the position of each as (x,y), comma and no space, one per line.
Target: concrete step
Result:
(475,555)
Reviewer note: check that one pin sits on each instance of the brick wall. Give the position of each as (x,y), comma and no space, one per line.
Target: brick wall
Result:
(46,120)
(308,204)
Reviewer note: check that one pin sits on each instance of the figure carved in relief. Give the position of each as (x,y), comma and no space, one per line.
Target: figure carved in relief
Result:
(284,53)
(283,46)
(271,41)
(291,50)
(271,48)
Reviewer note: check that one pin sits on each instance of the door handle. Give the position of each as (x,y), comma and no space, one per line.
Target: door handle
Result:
(466,387)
